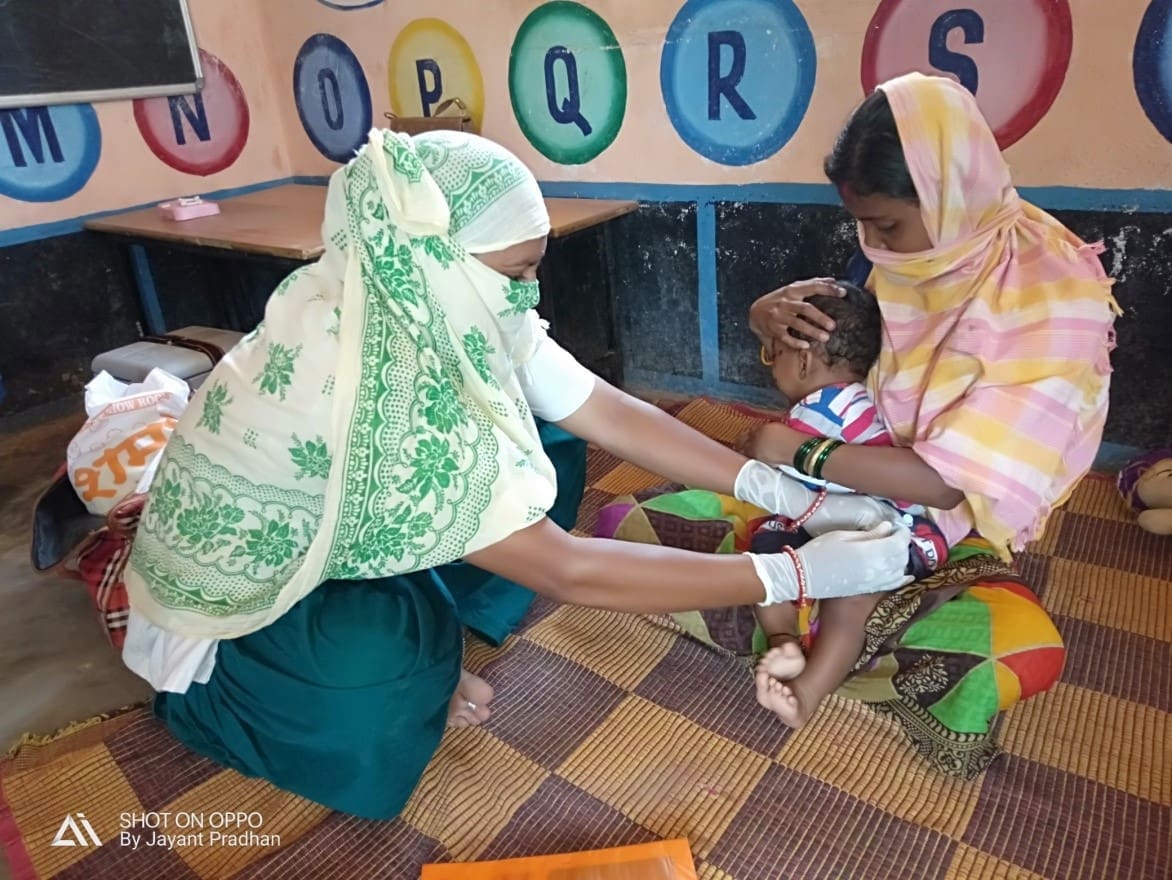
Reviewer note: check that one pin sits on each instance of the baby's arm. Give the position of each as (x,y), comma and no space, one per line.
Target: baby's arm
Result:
(769,444)
(773,442)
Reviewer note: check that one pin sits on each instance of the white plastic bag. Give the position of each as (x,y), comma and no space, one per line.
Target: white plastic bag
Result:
(118,448)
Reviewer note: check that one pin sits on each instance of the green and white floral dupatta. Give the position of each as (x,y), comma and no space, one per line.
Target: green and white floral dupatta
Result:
(373,425)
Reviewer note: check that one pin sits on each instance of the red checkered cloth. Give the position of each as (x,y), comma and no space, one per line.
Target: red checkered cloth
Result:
(100,562)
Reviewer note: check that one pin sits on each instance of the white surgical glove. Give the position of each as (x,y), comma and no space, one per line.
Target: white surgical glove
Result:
(839,564)
(770,489)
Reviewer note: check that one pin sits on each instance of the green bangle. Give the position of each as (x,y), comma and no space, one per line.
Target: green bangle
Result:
(823,455)
(804,452)
(812,456)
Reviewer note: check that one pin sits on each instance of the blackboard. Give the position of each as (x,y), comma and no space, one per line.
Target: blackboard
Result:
(69,51)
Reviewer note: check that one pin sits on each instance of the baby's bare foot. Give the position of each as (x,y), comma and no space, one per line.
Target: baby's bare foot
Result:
(783,699)
(469,705)
(778,688)
(785,660)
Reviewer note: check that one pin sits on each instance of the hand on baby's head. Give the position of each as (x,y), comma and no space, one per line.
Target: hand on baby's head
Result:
(858,329)
(847,356)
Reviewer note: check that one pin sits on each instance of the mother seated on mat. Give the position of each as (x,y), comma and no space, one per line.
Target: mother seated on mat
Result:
(992,381)
(364,475)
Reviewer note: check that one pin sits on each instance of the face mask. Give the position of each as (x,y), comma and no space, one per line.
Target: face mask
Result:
(523,296)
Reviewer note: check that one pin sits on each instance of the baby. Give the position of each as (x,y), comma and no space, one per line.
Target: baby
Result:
(825,385)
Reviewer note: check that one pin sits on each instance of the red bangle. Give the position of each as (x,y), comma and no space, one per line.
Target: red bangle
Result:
(792,525)
(797,561)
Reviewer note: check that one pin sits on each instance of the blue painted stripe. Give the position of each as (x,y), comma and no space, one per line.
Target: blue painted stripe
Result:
(1057,198)
(1073,198)
(148,295)
(25,234)
(1060,198)
(706,291)
(1113,457)
(779,193)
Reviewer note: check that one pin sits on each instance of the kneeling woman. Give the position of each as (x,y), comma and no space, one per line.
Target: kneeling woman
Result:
(364,474)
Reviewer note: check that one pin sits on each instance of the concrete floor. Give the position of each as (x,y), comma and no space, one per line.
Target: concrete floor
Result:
(55,663)
(56,666)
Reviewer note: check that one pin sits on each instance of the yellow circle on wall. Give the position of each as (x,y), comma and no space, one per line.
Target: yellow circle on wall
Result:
(429,63)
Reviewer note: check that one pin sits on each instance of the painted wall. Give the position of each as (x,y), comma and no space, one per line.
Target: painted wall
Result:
(68,295)
(702,92)
(1055,77)
(714,113)
(721,111)
(61,163)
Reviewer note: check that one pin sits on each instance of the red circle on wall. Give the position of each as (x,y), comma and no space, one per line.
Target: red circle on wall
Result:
(1016,55)
(202,133)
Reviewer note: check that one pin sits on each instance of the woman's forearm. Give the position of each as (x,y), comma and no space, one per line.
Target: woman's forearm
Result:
(881,471)
(890,472)
(646,436)
(620,576)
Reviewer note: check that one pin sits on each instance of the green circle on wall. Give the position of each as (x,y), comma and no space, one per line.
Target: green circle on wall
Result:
(567,82)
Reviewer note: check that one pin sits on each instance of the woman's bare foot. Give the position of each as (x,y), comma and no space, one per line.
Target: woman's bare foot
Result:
(777,688)
(469,705)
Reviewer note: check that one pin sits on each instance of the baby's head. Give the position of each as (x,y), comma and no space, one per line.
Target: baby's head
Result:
(847,356)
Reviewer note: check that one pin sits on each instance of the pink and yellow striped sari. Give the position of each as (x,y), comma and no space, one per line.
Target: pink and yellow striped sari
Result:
(995,367)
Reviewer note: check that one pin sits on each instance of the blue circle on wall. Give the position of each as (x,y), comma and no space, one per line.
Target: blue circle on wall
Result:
(48,153)
(348,5)
(332,97)
(737,76)
(1152,65)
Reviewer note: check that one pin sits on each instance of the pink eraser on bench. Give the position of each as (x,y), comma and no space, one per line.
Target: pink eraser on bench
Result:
(188,208)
